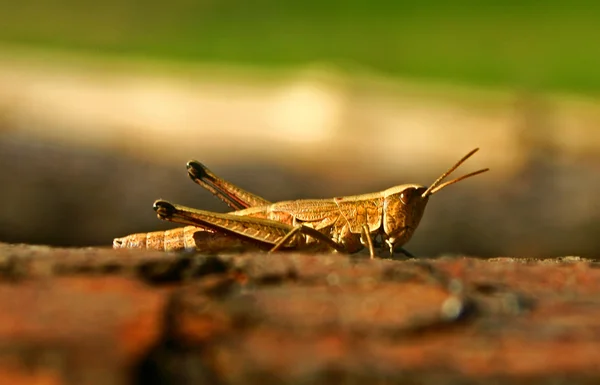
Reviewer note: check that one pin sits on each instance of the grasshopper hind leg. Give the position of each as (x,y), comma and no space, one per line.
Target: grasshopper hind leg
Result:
(265,232)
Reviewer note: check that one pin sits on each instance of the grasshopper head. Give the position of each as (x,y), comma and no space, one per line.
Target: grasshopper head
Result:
(402,211)
(404,205)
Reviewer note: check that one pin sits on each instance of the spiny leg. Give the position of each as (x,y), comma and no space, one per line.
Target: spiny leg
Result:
(263,231)
(234,196)
(286,238)
(311,232)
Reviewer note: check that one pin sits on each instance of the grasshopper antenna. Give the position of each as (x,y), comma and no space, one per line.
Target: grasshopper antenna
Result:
(438,185)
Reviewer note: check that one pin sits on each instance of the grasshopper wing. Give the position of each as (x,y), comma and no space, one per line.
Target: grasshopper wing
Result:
(320,213)
(360,211)
(355,212)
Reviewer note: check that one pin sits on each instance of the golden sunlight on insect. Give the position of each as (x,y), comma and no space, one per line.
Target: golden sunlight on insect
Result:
(386,219)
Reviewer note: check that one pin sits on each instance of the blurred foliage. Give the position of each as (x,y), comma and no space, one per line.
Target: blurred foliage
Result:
(549,45)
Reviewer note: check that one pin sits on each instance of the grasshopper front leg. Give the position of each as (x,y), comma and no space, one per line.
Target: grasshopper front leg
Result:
(404,251)
(264,232)
(368,240)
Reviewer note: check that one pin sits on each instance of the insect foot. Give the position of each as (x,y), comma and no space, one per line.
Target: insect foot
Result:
(164,209)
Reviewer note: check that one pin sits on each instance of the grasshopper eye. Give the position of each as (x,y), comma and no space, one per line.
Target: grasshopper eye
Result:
(406,195)
(409,194)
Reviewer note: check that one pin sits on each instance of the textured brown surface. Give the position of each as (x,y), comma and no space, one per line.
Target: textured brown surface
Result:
(98,316)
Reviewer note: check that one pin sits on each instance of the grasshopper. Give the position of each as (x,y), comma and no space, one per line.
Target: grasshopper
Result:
(343,224)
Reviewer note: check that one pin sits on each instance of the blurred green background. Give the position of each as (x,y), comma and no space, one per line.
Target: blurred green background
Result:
(550,45)
(101,104)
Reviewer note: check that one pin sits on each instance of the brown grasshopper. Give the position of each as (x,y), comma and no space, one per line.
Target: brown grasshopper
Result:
(342,224)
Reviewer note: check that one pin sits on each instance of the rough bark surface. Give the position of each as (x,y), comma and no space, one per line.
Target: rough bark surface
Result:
(98,316)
